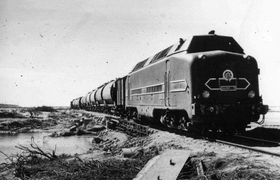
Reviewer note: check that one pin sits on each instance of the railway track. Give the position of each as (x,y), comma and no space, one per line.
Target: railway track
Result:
(128,126)
(244,142)
(247,147)
(273,143)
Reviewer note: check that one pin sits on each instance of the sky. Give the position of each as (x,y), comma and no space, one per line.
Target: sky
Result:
(52,51)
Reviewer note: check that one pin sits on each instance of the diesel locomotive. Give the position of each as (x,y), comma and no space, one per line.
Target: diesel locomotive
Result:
(205,82)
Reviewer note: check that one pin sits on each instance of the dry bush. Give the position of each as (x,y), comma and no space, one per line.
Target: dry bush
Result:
(23,163)
(34,163)
(45,109)
(235,168)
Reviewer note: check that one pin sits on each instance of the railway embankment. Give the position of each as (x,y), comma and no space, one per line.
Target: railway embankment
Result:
(113,154)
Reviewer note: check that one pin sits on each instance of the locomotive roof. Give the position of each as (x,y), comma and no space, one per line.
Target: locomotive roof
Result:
(194,44)
(214,42)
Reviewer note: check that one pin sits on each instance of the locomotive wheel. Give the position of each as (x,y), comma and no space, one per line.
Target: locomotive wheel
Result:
(135,115)
(163,121)
(166,121)
(183,124)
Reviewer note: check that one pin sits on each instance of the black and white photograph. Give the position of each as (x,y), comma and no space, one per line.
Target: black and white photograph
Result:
(139,90)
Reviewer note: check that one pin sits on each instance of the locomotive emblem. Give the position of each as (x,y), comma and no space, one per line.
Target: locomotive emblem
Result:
(227,75)
(227,82)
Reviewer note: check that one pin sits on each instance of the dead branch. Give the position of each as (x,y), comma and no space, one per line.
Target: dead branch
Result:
(8,157)
(36,150)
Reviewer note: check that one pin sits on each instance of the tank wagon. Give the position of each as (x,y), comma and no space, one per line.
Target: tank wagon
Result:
(107,98)
(76,103)
(84,102)
(205,82)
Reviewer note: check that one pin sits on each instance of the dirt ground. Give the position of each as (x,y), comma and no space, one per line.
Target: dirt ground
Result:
(115,155)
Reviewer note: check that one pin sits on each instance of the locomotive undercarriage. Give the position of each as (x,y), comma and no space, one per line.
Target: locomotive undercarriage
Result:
(229,118)
(178,119)
(175,119)
(170,118)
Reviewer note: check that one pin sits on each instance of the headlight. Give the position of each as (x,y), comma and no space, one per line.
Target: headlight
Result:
(205,94)
(251,94)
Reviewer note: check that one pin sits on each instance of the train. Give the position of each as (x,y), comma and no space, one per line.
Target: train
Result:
(204,82)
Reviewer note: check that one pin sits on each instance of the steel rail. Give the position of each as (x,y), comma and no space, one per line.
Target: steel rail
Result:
(248,148)
(256,139)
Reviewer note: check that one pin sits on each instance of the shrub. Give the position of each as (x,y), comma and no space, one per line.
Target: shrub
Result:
(45,108)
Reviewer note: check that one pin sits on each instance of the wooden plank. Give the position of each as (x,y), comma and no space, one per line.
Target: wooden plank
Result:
(166,166)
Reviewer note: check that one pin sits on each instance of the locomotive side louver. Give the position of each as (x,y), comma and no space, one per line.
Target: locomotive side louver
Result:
(160,55)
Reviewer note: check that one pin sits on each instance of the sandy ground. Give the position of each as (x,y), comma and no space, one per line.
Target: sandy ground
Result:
(220,161)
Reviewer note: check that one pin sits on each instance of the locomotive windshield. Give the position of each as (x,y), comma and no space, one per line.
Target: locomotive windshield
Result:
(214,42)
